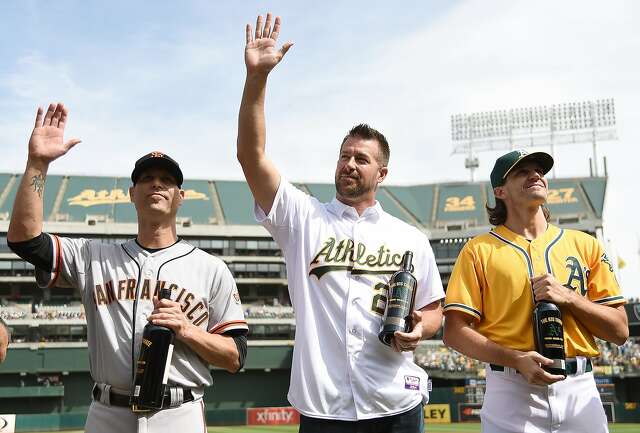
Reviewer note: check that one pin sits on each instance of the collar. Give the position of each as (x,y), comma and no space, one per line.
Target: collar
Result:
(339,209)
(547,237)
(178,248)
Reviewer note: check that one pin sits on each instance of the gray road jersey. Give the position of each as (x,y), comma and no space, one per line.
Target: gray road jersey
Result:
(111,277)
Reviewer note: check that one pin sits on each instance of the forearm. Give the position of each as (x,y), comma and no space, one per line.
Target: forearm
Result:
(470,342)
(26,216)
(262,176)
(431,319)
(603,321)
(218,350)
(251,119)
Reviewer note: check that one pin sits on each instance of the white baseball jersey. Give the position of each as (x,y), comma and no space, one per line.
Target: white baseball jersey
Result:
(110,278)
(338,267)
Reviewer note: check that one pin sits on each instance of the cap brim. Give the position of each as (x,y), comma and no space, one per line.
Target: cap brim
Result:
(544,159)
(158,162)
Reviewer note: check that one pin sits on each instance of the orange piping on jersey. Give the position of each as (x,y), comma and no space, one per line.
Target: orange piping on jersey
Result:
(58,262)
(224,326)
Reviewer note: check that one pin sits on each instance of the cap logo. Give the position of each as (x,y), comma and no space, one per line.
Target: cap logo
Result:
(157,154)
(523,153)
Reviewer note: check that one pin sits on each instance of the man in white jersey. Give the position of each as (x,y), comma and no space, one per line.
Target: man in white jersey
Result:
(119,285)
(339,258)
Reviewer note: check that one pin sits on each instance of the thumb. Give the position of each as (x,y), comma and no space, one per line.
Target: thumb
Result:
(285,48)
(541,359)
(69,144)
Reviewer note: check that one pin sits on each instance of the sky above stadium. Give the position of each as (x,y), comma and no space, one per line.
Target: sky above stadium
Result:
(141,76)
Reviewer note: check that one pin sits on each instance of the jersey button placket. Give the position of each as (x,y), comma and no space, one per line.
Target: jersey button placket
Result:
(539,267)
(358,286)
(354,337)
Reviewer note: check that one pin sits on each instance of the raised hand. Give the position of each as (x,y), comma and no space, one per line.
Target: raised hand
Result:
(47,139)
(261,54)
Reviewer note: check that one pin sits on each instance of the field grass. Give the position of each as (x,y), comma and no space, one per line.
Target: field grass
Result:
(431,428)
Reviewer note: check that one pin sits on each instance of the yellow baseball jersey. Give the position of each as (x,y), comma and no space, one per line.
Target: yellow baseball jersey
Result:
(491,282)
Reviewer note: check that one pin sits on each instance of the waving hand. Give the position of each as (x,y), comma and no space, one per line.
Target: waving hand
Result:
(261,54)
(47,139)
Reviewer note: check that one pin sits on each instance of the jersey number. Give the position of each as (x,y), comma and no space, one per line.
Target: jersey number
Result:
(379,303)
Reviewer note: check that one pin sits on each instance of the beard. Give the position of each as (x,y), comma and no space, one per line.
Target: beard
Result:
(351,189)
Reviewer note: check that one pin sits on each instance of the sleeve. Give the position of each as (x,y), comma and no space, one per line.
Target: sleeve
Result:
(290,207)
(70,259)
(464,291)
(241,345)
(429,284)
(225,308)
(36,251)
(602,286)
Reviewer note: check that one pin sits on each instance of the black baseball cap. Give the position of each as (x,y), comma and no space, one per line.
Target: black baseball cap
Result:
(507,162)
(157,159)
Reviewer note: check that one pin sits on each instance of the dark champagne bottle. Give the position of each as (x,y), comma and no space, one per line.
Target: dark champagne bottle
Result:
(401,300)
(549,335)
(152,369)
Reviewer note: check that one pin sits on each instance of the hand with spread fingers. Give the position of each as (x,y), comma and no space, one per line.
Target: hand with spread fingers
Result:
(261,54)
(168,313)
(547,288)
(408,341)
(47,139)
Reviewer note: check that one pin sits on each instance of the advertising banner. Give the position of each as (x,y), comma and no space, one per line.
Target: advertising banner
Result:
(272,416)
(437,414)
(469,412)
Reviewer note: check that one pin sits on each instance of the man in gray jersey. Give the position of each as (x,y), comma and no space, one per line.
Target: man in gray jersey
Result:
(119,285)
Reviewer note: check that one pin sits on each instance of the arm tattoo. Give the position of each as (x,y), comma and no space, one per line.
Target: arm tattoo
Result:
(37,182)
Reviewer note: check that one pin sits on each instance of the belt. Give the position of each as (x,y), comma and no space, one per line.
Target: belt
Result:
(122,400)
(570,365)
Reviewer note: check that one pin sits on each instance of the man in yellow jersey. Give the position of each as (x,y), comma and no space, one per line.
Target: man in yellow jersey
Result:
(496,281)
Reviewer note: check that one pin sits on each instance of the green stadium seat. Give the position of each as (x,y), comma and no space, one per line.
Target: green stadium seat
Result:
(236,202)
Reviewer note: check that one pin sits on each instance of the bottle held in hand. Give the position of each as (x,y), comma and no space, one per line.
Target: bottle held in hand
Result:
(152,369)
(401,300)
(549,336)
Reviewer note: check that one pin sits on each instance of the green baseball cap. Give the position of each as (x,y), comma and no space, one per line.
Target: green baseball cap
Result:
(507,162)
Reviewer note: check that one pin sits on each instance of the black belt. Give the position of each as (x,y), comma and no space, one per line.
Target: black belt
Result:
(122,400)
(570,366)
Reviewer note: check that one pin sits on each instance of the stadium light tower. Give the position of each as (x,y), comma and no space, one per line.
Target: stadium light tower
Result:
(547,125)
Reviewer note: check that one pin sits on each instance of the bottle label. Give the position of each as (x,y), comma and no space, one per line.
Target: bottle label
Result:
(552,334)
(136,391)
(167,365)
